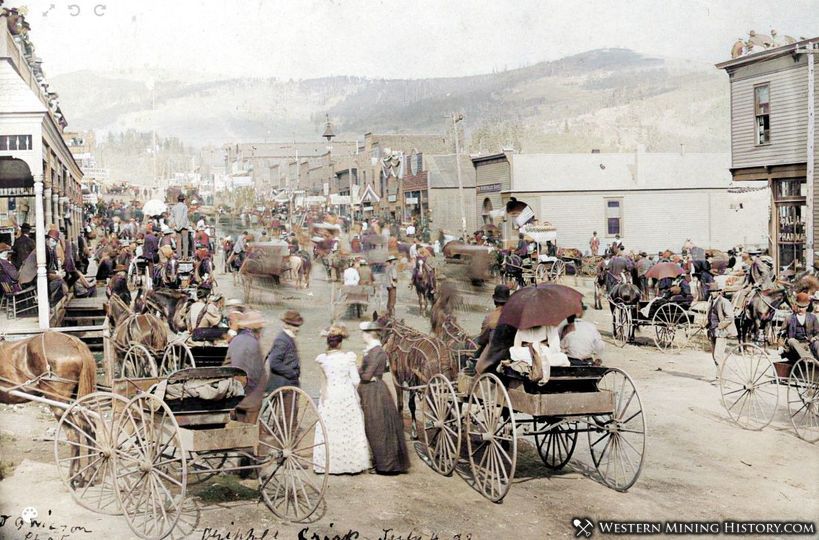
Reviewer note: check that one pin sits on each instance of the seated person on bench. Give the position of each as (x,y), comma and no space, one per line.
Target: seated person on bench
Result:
(801,332)
(8,273)
(581,342)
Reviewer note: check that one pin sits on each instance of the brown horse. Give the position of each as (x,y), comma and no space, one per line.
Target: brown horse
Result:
(51,365)
(424,282)
(145,329)
(414,359)
(169,305)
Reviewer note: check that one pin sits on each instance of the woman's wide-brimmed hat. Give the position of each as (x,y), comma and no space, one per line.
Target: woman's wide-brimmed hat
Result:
(251,319)
(803,299)
(292,317)
(371,326)
(335,330)
(391,258)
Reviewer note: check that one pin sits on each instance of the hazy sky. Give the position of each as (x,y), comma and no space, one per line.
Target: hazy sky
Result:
(391,39)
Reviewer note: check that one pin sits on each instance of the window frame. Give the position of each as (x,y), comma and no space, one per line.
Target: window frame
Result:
(758,115)
(621,216)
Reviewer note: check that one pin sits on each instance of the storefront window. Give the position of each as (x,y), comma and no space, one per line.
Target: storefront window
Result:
(791,209)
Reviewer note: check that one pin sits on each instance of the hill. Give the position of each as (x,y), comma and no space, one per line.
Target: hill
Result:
(612,99)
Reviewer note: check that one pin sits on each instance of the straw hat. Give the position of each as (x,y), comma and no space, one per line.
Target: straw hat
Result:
(292,317)
(335,330)
(251,319)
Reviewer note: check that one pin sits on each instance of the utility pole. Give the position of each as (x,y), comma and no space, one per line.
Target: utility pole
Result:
(810,49)
(455,119)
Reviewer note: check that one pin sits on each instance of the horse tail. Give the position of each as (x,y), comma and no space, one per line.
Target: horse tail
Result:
(87,382)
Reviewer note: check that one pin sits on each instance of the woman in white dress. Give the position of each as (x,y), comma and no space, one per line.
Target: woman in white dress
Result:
(340,409)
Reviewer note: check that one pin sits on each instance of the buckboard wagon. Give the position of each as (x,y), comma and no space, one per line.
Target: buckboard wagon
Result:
(489,417)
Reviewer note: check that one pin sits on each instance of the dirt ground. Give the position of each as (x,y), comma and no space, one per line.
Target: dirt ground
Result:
(698,466)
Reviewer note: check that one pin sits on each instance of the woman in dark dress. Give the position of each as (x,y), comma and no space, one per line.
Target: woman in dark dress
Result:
(382,422)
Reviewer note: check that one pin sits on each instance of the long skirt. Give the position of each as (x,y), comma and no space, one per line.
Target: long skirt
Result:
(384,427)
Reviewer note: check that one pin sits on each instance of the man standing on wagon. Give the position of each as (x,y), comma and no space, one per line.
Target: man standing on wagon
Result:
(179,215)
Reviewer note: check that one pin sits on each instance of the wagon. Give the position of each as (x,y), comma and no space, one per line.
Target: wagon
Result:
(264,265)
(673,326)
(481,418)
(751,383)
(351,296)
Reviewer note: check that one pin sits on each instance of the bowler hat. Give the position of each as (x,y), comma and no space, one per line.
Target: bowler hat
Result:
(371,326)
(501,294)
(25,227)
(292,317)
(803,299)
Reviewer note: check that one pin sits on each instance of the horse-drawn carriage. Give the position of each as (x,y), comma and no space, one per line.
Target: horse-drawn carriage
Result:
(131,448)
(673,324)
(751,380)
(267,263)
(480,418)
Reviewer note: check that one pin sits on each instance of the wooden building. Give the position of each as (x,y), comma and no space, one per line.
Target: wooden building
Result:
(770,128)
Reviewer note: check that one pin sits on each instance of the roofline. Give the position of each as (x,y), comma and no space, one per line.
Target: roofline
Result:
(488,157)
(767,54)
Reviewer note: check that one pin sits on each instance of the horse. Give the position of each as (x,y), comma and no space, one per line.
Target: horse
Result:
(298,270)
(414,359)
(758,312)
(144,329)
(59,367)
(170,305)
(423,280)
(625,293)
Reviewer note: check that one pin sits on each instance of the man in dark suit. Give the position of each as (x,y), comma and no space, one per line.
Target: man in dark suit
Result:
(23,246)
(283,358)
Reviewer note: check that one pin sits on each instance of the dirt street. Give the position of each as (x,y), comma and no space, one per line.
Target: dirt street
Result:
(699,466)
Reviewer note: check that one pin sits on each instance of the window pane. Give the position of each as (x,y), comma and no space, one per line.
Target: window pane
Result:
(761,99)
(613,204)
(613,226)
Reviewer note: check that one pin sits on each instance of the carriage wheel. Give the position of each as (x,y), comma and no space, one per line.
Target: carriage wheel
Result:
(557,270)
(747,382)
(138,363)
(177,356)
(556,446)
(293,438)
(541,273)
(491,437)
(442,425)
(83,448)
(617,441)
(670,327)
(622,324)
(803,399)
(150,468)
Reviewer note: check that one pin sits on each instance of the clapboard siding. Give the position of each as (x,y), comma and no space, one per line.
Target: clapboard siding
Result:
(487,173)
(789,111)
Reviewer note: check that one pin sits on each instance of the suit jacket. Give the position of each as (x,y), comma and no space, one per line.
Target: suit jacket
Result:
(23,247)
(283,361)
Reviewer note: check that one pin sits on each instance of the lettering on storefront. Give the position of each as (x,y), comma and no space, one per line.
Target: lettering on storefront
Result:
(489,188)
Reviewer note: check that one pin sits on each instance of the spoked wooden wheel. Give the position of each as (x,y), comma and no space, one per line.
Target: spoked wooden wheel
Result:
(748,384)
(177,356)
(557,270)
(617,441)
(556,446)
(670,327)
(293,439)
(442,425)
(803,399)
(150,469)
(83,450)
(138,363)
(491,437)
(541,273)
(621,330)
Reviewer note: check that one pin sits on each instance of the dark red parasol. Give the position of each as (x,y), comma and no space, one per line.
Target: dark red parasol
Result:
(664,270)
(546,304)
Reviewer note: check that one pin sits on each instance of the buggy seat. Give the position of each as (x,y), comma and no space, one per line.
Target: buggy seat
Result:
(203,396)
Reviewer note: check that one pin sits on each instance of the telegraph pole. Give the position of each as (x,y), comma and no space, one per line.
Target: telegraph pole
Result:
(810,49)
(455,119)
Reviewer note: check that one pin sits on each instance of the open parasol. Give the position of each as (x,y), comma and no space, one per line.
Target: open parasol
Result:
(154,207)
(664,270)
(546,304)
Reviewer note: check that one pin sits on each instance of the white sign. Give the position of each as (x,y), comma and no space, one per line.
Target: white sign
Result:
(525,215)
(326,188)
(391,198)
(411,200)
(335,198)
(368,209)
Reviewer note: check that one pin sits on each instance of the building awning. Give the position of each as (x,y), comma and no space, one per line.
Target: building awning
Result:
(14,173)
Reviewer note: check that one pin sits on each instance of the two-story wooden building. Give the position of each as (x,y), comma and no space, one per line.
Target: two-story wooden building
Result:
(770,141)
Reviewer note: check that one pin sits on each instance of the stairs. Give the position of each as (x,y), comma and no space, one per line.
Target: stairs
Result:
(86,312)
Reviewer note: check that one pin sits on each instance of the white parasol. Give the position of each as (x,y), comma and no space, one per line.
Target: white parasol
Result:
(154,207)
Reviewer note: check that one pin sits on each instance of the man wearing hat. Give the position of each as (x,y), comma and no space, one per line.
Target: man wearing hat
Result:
(179,217)
(8,273)
(721,323)
(283,359)
(118,285)
(244,352)
(499,297)
(802,331)
(391,277)
(23,246)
